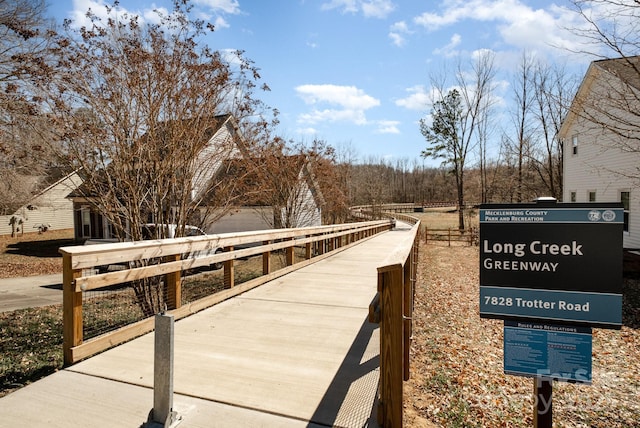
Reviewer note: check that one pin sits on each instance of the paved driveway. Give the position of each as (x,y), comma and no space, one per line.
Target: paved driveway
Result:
(31,291)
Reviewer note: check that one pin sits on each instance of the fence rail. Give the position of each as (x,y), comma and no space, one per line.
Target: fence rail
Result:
(392,308)
(79,273)
(469,236)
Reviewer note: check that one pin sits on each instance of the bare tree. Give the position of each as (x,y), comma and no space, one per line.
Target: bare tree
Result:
(553,89)
(523,98)
(135,104)
(612,29)
(457,119)
(23,152)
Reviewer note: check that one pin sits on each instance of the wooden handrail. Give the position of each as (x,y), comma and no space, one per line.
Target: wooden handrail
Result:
(78,260)
(392,307)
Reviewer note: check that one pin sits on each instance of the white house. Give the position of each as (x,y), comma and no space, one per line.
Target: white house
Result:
(49,207)
(226,147)
(256,196)
(601,136)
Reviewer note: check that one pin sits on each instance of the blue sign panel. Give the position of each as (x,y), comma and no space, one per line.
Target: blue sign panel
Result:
(537,214)
(551,351)
(573,306)
(559,262)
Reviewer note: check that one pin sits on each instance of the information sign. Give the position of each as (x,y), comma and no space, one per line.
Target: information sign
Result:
(558,352)
(552,261)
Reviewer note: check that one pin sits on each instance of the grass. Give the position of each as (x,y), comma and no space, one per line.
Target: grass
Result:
(31,344)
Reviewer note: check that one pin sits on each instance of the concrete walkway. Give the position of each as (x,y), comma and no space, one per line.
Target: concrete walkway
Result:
(295,352)
(30,292)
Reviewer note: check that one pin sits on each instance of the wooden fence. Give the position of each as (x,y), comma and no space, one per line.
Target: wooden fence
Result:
(79,273)
(392,308)
(469,236)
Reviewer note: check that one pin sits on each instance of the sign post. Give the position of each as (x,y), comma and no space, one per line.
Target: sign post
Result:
(552,271)
(543,393)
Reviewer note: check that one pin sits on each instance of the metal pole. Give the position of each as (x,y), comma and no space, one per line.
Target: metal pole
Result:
(543,403)
(163,372)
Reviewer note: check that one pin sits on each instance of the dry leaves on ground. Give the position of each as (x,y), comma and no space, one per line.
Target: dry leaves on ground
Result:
(32,253)
(457,374)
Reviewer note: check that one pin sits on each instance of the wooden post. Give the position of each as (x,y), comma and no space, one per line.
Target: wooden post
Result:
(290,254)
(407,312)
(71,310)
(174,285)
(266,260)
(307,251)
(229,271)
(449,236)
(543,403)
(391,346)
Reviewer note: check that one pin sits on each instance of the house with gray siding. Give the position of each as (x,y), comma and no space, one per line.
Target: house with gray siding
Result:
(601,141)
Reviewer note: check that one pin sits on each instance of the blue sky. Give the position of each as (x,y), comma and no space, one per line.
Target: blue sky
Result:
(356,73)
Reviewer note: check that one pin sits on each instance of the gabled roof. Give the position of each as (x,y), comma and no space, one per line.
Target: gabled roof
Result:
(214,125)
(625,70)
(243,182)
(42,184)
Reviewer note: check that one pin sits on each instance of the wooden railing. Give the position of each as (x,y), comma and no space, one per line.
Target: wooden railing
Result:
(404,207)
(79,274)
(449,235)
(401,217)
(392,308)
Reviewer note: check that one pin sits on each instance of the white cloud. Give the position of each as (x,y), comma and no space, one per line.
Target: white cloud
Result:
(333,115)
(348,97)
(369,8)
(449,50)
(397,39)
(397,32)
(97,7)
(400,27)
(347,6)
(220,22)
(307,131)
(149,14)
(418,98)
(518,24)
(377,8)
(221,6)
(347,103)
(388,127)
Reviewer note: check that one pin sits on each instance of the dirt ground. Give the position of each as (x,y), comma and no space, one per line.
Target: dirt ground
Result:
(457,377)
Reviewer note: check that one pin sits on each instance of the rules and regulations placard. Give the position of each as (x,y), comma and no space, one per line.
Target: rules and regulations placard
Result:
(557,352)
(552,261)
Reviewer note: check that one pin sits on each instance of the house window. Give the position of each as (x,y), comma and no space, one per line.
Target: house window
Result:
(624,198)
(573,196)
(86,222)
(574,145)
(592,195)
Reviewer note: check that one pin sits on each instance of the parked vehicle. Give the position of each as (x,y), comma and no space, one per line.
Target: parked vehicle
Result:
(150,231)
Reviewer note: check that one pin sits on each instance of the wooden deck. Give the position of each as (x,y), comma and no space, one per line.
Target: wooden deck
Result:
(295,352)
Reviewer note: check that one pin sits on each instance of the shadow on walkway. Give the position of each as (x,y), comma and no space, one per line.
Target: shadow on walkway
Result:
(353,390)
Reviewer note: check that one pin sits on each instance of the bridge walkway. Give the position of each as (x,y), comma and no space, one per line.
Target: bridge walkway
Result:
(295,352)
